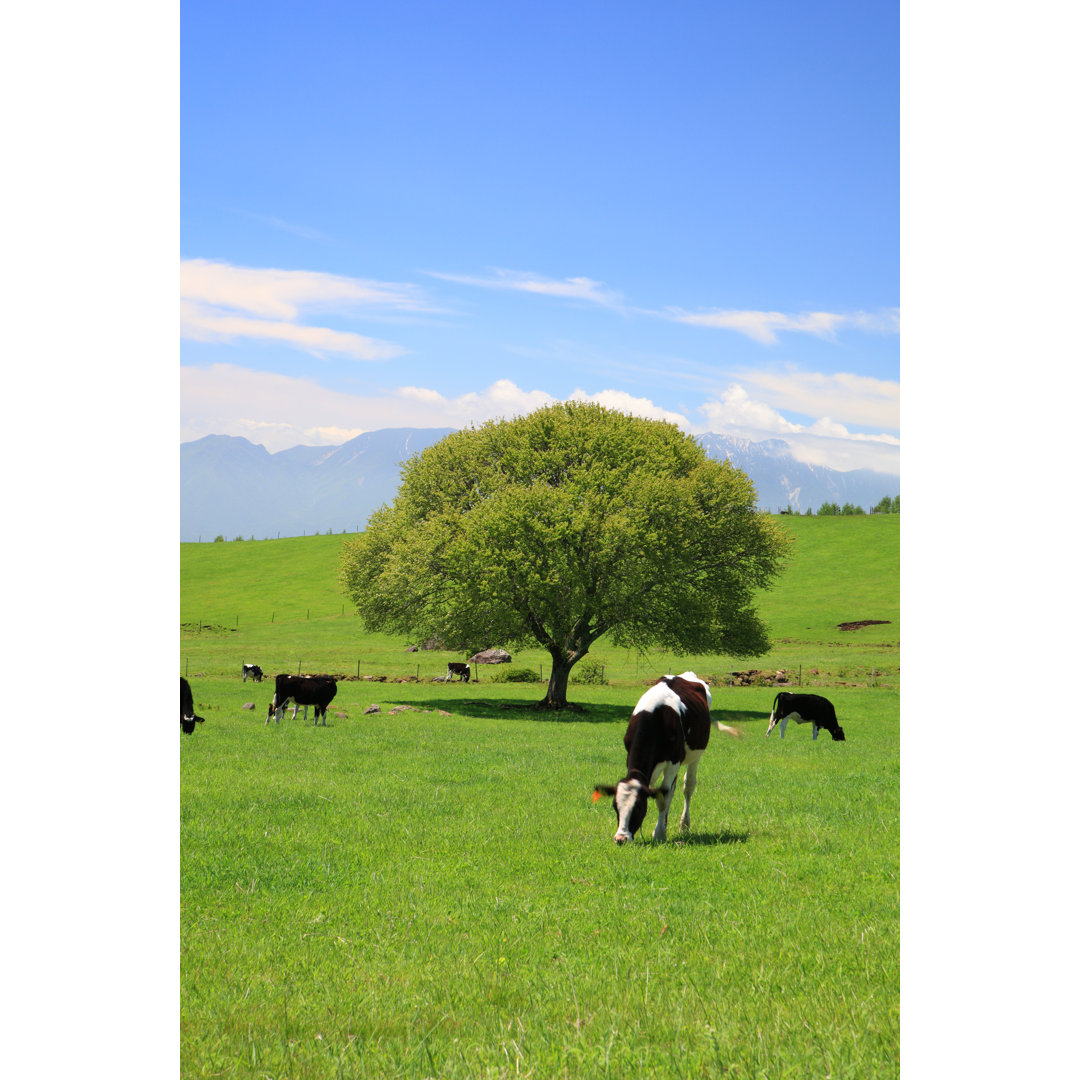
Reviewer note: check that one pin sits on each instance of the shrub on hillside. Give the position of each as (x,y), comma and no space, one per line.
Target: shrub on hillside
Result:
(508,674)
(589,672)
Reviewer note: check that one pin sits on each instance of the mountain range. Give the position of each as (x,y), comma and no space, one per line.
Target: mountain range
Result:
(231,487)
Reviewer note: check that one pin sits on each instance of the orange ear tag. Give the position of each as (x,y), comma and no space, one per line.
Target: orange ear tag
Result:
(596,796)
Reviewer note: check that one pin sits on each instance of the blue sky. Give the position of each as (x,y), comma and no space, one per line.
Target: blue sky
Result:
(426,215)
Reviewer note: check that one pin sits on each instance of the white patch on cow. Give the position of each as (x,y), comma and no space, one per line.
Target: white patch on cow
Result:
(772,724)
(816,730)
(626,793)
(689,783)
(660,694)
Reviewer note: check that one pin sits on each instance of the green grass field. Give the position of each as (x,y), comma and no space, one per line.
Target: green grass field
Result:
(430,892)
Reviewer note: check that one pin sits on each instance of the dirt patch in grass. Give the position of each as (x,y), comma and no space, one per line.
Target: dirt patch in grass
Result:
(862,622)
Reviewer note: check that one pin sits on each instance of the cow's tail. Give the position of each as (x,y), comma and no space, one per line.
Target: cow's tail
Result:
(735,733)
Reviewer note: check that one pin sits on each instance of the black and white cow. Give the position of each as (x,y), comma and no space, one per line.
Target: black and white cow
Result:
(253,670)
(463,671)
(804,709)
(317,690)
(670,724)
(188,719)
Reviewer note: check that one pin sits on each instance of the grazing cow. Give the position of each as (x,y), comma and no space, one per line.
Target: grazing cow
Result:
(317,690)
(253,670)
(463,671)
(670,724)
(188,719)
(804,709)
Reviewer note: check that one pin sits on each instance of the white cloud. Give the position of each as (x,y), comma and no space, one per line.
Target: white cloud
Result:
(634,406)
(848,398)
(825,442)
(763,326)
(280,411)
(735,412)
(284,294)
(575,288)
(207,324)
(221,302)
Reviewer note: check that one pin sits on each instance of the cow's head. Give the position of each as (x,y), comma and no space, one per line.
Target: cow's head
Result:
(630,800)
(187,723)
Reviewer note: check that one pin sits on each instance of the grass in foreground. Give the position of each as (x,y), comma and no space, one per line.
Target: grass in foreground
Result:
(423,895)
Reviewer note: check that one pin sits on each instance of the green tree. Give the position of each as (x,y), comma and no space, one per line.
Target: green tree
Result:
(560,527)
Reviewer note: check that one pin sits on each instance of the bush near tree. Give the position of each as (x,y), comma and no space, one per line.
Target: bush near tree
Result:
(559,527)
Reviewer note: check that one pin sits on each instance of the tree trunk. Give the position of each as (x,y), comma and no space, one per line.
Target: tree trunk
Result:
(560,677)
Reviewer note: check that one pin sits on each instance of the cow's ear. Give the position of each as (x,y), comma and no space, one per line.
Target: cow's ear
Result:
(602,789)
(652,792)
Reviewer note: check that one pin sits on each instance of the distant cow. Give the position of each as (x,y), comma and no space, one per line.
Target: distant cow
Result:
(804,709)
(188,719)
(317,690)
(253,670)
(463,671)
(670,724)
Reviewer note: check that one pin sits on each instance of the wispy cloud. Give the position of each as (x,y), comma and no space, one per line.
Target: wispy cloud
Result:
(761,326)
(221,302)
(199,323)
(304,231)
(848,398)
(575,288)
(764,326)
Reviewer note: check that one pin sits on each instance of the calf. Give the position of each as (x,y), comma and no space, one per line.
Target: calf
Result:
(253,670)
(804,709)
(317,690)
(463,671)
(188,719)
(670,724)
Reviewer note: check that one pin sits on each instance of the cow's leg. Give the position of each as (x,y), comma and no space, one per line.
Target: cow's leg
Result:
(783,725)
(689,784)
(663,802)
(816,729)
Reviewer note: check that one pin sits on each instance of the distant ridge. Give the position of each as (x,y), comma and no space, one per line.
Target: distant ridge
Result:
(231,487)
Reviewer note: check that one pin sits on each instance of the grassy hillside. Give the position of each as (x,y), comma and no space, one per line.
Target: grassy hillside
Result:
(428,890)
(278,603)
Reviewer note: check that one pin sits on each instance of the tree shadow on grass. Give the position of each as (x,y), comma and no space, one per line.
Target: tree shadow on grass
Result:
(522,710)
(591,713)
(738,716)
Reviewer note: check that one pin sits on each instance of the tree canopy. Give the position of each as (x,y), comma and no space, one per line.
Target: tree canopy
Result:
(559,527)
